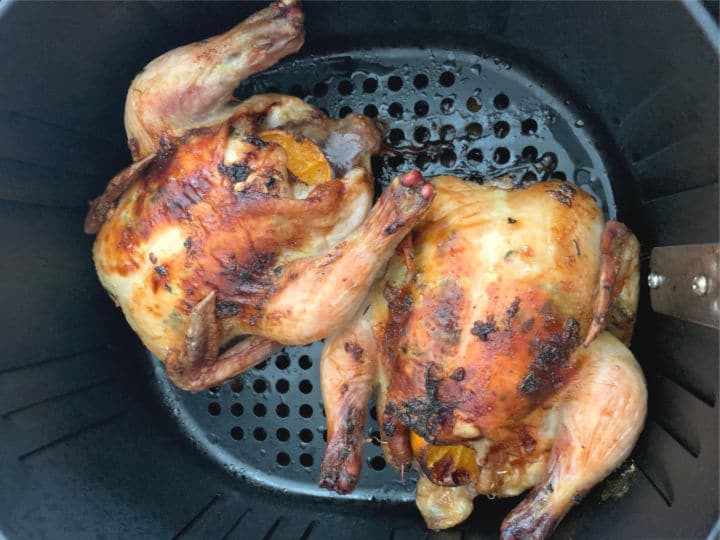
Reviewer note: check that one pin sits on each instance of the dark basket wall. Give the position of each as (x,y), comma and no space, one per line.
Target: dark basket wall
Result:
(87,450)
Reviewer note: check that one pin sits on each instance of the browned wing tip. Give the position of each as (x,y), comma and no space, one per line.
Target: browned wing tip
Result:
(102,207)
(287,8)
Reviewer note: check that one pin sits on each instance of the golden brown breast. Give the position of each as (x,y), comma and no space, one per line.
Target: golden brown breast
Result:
(503,296)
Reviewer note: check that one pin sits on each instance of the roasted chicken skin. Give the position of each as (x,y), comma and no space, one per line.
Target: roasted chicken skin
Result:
(498,342)
(241,226)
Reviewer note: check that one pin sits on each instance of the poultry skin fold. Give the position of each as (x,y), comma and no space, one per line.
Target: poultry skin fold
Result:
(497,340)
(241,226)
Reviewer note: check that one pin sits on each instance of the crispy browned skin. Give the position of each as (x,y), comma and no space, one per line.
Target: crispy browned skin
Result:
(210,237)
(477,330)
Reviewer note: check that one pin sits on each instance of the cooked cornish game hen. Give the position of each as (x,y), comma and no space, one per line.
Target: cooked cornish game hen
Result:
(241,226)
(498,341)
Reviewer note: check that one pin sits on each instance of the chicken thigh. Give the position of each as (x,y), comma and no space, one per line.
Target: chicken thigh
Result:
(241,226)
(498,341)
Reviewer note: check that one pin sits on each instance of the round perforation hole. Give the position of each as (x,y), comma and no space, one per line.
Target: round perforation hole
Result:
(421,108)
(259,434)
(530,153)
(447,105)
(395,110)
(473,104)
(395,83)
(305,362)
(282,386)
(420,81)
(395,136)
(282,434)
(237,385)
(447,78)
(559,175)
(305,410)
(501,155)
(306,460)
(370,85)
(447,133)
(282,459)
(237,433)
(448,158)
(501,101)
(529,127)
(320,90)
(377,463)
(282,361)
(298,91)
(475,154)
(421,134)
(306,435)
(262,365)
(529,177)
(345,88)
(236,409)
(370,110)
(214,408)
(375,438)
(474,130)
(259,410)
(214,391)
(344,111)
(282,410)
(259,386)
(501,129)
(422,160)
(305,386)
(394,161)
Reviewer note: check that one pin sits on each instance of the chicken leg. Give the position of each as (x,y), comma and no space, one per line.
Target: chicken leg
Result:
(601,418)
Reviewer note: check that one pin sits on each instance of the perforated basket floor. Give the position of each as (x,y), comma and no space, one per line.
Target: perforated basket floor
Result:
(446,113)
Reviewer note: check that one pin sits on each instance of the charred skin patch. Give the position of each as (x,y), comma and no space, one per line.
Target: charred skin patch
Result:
(511,312)
(236,172)
(400,302)
(482,329)
(426,415)
(354,350)
(342,460)
(527,325)
(242,285)
(249,276)
(530,384)
(445,310)
(393,228)
(256,141)
(159,277)
(551,356)
(564,195)
(458,374)
(226,308)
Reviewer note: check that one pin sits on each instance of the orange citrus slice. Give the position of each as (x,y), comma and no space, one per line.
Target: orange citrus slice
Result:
(445,465)
(305,159)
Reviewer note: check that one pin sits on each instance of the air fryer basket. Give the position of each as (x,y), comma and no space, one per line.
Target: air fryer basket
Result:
(619,98)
